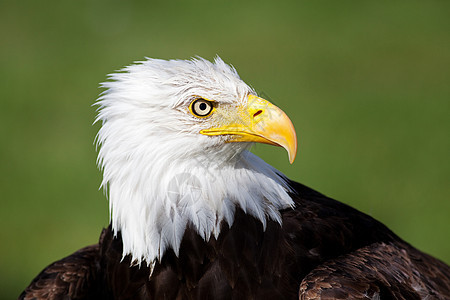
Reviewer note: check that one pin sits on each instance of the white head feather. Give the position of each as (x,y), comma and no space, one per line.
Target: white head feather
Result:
(160,174)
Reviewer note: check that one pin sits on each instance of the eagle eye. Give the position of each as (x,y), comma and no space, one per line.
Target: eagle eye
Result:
(201,107)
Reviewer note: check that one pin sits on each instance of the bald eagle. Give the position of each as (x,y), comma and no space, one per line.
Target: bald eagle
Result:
(195,215)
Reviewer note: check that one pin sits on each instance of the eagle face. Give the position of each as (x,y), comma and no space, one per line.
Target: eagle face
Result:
(174,152)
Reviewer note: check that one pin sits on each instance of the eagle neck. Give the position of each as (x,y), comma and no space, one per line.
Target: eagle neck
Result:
(152,209)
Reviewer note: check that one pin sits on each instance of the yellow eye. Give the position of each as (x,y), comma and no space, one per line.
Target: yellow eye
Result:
(201,107)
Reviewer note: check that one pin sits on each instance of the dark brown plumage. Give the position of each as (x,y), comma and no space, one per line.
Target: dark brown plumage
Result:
(323,250)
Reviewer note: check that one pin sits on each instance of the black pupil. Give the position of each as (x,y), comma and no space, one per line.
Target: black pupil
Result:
(203,106)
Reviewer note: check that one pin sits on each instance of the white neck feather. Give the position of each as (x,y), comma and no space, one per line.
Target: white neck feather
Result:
(152,205)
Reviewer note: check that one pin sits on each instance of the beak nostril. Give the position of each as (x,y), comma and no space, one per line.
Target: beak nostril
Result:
(257,113)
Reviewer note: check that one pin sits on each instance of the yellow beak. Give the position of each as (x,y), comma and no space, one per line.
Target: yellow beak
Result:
(259,121)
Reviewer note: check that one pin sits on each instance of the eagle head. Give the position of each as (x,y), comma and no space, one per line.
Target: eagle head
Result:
(173,148)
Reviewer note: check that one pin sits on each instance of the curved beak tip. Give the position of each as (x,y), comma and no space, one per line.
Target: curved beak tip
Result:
(292,149)
(292,158)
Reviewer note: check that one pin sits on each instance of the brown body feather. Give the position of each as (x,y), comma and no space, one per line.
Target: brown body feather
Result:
(323,250)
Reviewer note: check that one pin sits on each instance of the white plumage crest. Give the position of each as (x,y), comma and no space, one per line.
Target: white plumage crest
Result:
(160,173)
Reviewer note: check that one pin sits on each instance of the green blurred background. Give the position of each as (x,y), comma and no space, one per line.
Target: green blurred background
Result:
(366,84)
